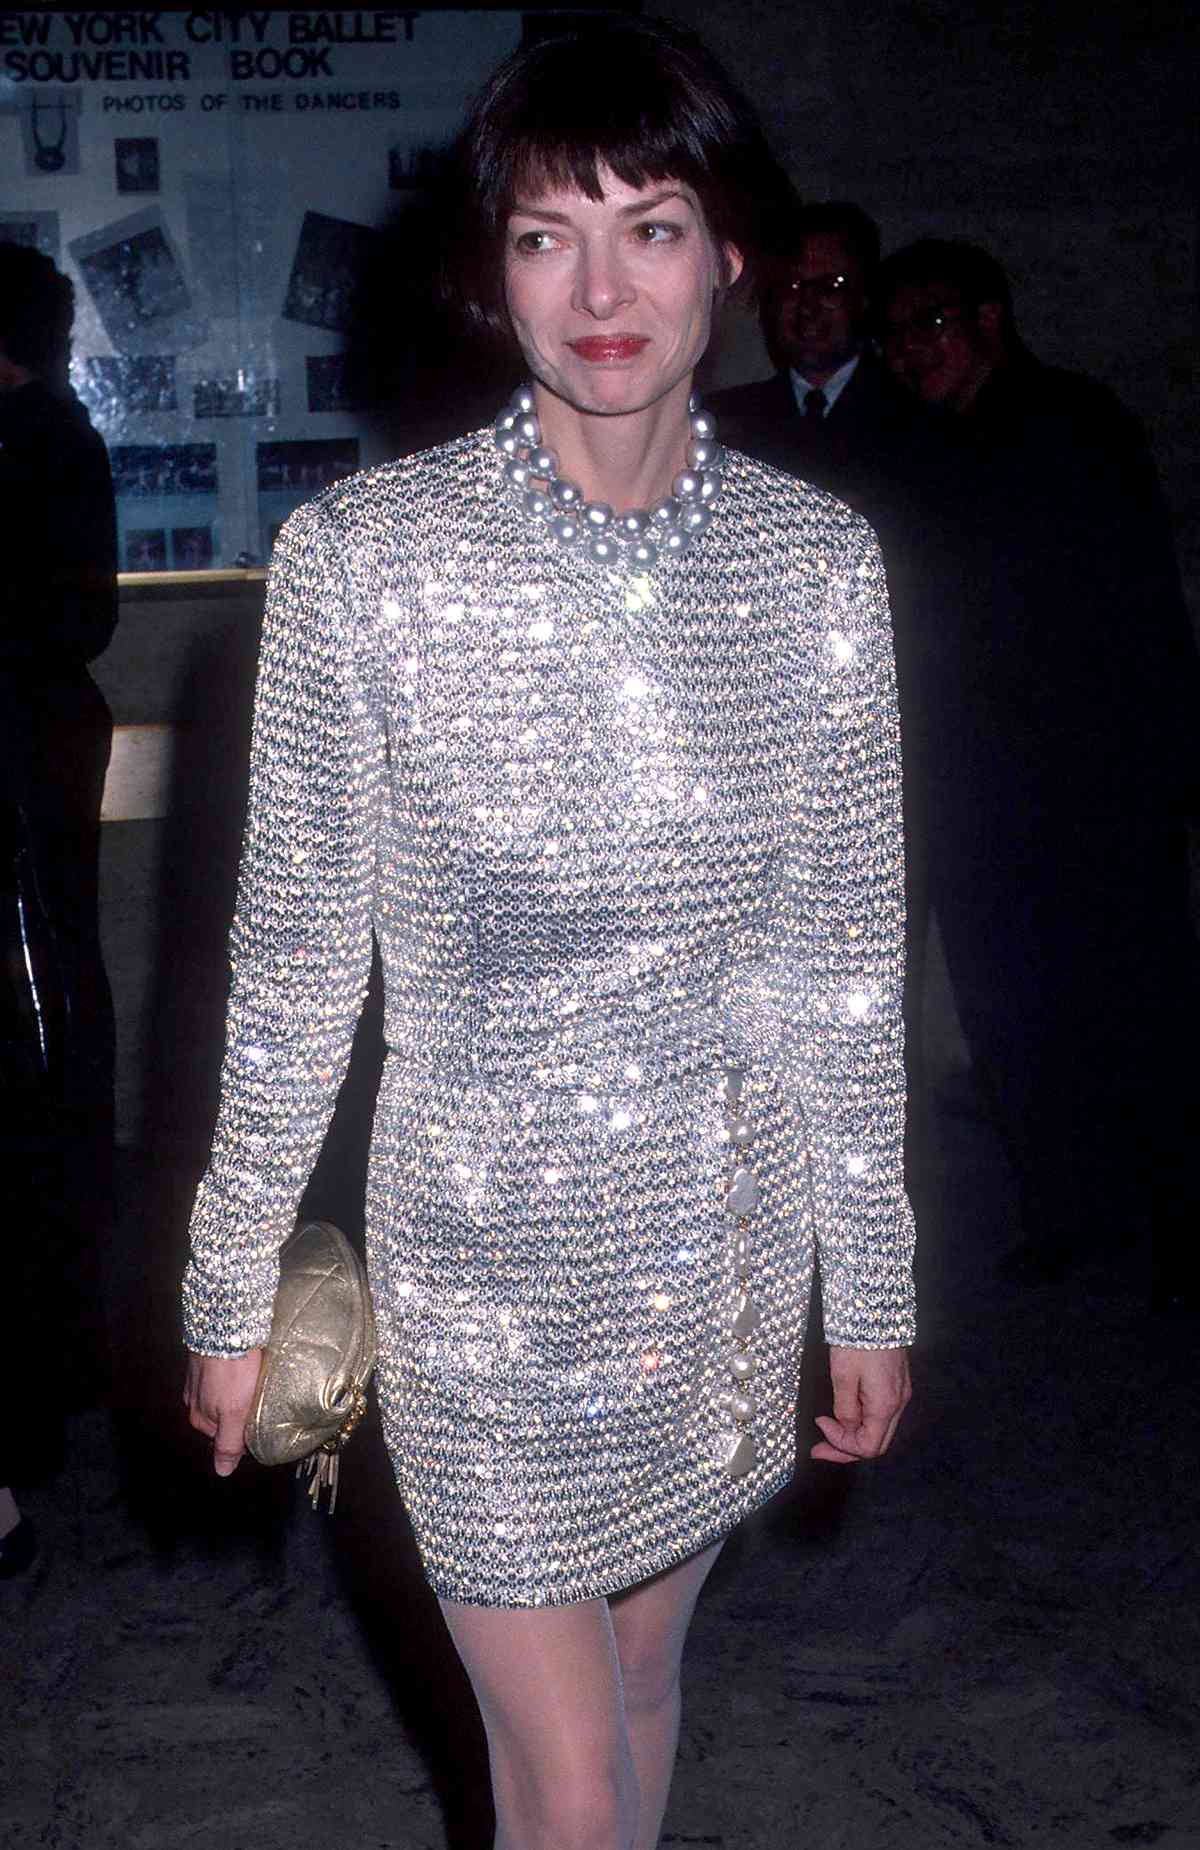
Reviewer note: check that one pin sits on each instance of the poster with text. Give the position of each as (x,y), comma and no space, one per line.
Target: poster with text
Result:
(215,184)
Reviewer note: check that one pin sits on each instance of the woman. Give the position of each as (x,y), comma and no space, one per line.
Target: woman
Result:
(618,794)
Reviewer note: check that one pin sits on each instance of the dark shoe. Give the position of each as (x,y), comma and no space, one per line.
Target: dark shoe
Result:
(17,1550)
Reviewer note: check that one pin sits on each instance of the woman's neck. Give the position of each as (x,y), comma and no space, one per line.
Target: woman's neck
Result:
(627,460)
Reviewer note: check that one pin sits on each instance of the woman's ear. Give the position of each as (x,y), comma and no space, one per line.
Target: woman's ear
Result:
(732,265)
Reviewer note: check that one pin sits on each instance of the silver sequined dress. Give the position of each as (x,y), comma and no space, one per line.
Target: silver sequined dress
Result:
(618,837)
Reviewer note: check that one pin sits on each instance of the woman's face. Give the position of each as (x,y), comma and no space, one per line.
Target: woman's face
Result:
(611,299)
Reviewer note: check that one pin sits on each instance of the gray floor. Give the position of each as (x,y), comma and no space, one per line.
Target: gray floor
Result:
(991,1638)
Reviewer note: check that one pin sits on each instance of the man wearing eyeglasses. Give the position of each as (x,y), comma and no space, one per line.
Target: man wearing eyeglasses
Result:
(1065,697)
(831,413)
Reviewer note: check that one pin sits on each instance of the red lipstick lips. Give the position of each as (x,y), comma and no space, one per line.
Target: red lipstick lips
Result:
(600,347)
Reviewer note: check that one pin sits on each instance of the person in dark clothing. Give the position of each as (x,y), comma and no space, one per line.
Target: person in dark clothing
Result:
(1059,756)
(832,414)
(57,613)
(831,411)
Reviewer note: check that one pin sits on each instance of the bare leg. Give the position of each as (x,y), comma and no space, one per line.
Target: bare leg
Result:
(650,1622)
(548,1685)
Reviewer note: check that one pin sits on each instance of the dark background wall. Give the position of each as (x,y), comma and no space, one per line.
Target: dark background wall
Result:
(1061,136)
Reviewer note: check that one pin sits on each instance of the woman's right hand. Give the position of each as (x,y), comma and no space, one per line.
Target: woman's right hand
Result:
(218,1394)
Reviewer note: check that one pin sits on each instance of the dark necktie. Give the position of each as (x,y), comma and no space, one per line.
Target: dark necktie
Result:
(815,404)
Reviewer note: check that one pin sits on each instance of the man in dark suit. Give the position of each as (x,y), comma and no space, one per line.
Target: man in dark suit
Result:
(1066,693)
(831,412)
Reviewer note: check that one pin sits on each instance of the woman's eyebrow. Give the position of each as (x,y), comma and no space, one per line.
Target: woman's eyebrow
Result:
(536,211)
(651,204)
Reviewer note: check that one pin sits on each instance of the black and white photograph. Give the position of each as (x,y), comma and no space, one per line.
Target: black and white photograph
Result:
(119,385)
(50,133)
(191,549)
(145,549)
(240,395)
(136,279)
(136,160)
(164,468)
(307,465)
(330,385)
(331,256)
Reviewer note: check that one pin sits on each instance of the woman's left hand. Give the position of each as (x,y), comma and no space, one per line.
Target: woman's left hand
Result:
(871,1388)
(218,1393)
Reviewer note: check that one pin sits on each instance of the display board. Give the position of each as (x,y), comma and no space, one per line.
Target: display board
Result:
(213,182)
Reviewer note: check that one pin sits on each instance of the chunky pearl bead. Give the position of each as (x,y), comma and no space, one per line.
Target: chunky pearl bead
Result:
(742,1456)
(741,1257)
(746,1319)
(732,1083)
(743,1407)
(741,1132)
(744,1193)
(642,536)
(742,1366)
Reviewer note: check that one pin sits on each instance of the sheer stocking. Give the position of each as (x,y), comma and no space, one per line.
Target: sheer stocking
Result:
(651,1622)
(580,1705)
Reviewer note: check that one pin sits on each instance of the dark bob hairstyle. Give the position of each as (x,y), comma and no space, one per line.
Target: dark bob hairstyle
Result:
(640,97)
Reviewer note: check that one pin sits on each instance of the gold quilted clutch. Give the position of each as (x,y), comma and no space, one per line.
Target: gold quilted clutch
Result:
(311,1390)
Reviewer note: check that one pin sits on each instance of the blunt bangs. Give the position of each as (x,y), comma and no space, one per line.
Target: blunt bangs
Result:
(642,99)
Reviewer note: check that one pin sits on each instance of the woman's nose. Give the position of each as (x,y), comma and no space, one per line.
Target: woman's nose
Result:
(602,282)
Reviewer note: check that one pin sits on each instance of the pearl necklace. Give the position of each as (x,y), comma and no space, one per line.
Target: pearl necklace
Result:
(639,537)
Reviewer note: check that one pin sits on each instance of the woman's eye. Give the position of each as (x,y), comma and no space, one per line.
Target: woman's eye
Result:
(529,243)
(654,232)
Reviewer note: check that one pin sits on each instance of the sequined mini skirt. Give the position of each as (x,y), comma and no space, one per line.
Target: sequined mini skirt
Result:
(589,1348)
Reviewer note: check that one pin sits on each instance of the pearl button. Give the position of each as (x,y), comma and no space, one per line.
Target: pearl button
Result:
(742,1456)
(744,1193)
(746,1319)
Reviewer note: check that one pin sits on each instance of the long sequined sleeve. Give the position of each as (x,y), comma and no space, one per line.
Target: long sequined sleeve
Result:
(300,945)
(846,884)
